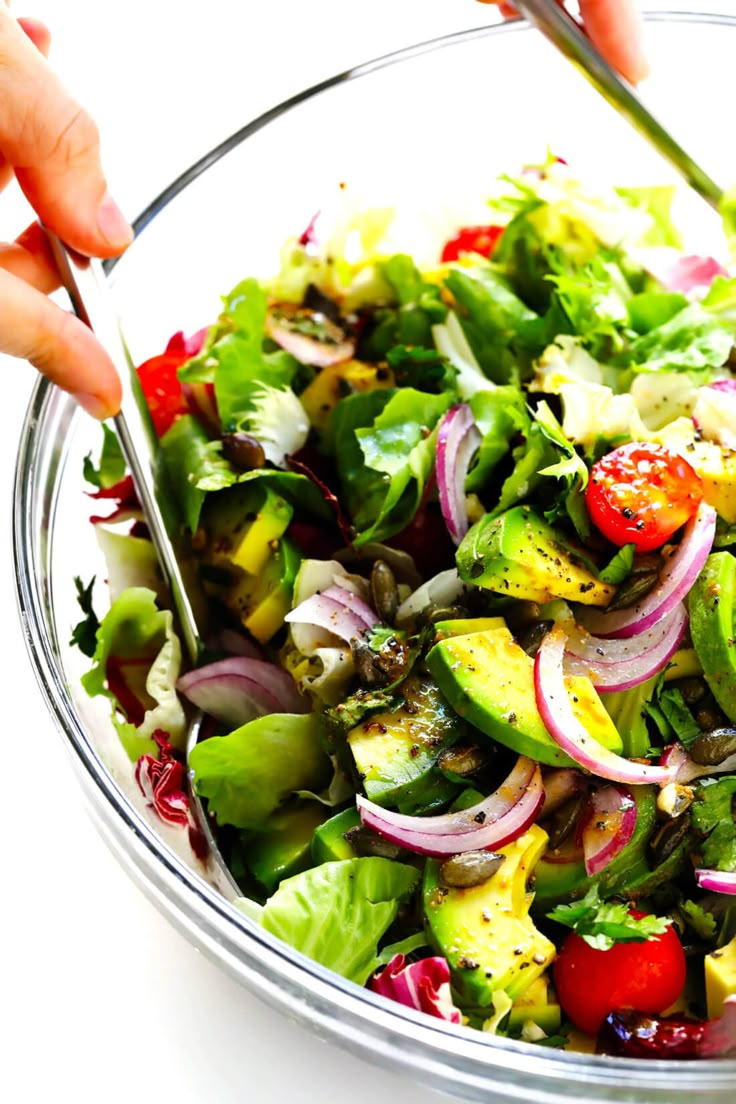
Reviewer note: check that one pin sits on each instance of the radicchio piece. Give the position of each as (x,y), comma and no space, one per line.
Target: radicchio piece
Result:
(180,345)
(637,1035)
(124,496)
(691,275)
(161,781)
(424,985)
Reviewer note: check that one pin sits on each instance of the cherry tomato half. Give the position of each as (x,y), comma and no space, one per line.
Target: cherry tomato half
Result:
(162,389)
(641,494)
(472,239)
(647,977)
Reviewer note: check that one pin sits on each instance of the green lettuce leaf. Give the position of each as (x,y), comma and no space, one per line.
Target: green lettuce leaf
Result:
(656,201)
(111,465)
(500,414)
(384,447)
(492,317)
(418,307)
(337,912)
(196,466)
(247,774)
(692,340)
(141,639)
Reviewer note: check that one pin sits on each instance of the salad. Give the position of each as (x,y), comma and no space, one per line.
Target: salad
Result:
(465,535)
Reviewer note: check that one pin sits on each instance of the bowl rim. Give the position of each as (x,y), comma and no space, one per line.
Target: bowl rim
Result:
(436,1053)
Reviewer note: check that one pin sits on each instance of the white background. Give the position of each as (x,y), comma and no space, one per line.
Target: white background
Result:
(100,998)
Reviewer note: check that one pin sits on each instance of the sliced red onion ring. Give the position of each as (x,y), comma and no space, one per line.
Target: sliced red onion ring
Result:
(675,580)
(620,664)
(717,881)
(493,822)
(566,730)
(610,820)
(238,689)
(424,985)
(337,610)
(458,438)
(685,769)
(309,350)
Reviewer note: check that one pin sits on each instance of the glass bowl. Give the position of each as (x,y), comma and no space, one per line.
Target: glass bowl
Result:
(428,129)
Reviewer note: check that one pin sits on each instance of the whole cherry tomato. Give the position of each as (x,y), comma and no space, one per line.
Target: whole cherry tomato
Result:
(641,493)
(590,984)
(472,239)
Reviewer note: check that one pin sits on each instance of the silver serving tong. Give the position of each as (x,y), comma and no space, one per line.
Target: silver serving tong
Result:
(86,285)
(567,35)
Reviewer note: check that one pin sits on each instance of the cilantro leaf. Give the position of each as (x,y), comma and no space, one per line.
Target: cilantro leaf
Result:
(702,922)
(604,923)
(713,820)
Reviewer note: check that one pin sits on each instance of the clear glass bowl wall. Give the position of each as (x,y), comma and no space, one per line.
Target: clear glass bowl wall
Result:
(428,131)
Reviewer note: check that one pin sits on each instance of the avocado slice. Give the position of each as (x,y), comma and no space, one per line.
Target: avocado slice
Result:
(285,847)
(540,1005)
(489,680)
(461,626)
(518,554)
(485,932)
(396,752)
(711,606)
(720,978)
(329,843)
(555,882)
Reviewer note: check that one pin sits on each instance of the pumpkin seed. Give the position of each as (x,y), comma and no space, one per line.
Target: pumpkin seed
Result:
(472,868)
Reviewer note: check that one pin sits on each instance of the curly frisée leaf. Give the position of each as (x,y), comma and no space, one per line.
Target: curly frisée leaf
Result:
(336,913)
(604,923)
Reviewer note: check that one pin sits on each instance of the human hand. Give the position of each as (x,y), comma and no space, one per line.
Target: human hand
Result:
(614,27)
(52,148)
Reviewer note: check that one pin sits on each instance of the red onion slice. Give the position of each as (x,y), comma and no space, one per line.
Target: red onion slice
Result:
(685,769)
(457,440)
(717,881)
(566,730)
(675,580)
(493,822)
(337,610)
(610,820)
(238,689)
(424,985)
(309,350)
(620,664)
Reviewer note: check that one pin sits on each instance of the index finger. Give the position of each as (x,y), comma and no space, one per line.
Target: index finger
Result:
(53,145)
(615,29)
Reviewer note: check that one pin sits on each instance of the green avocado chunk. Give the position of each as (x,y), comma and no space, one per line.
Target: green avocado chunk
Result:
(489,680)
(539,1005)
(520,555)
(396,752)
(485,931)
(630,873)
(329,843)
(285,848)
(711,605)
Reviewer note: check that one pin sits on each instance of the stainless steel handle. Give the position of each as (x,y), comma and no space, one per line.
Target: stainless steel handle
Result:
(85,283)
(564,32)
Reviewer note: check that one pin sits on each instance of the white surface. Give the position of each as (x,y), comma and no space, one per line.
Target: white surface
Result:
(103,1000)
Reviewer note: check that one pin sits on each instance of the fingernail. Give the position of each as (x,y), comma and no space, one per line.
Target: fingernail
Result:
(113,224)
(93,404)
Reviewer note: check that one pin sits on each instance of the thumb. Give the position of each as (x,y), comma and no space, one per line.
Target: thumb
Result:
(53,146)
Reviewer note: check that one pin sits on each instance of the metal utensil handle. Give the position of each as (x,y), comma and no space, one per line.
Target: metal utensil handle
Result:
(564,32)
(85,283)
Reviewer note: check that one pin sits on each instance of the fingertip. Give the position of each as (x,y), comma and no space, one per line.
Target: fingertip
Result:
(113,225)
(38,33)
(99,406)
